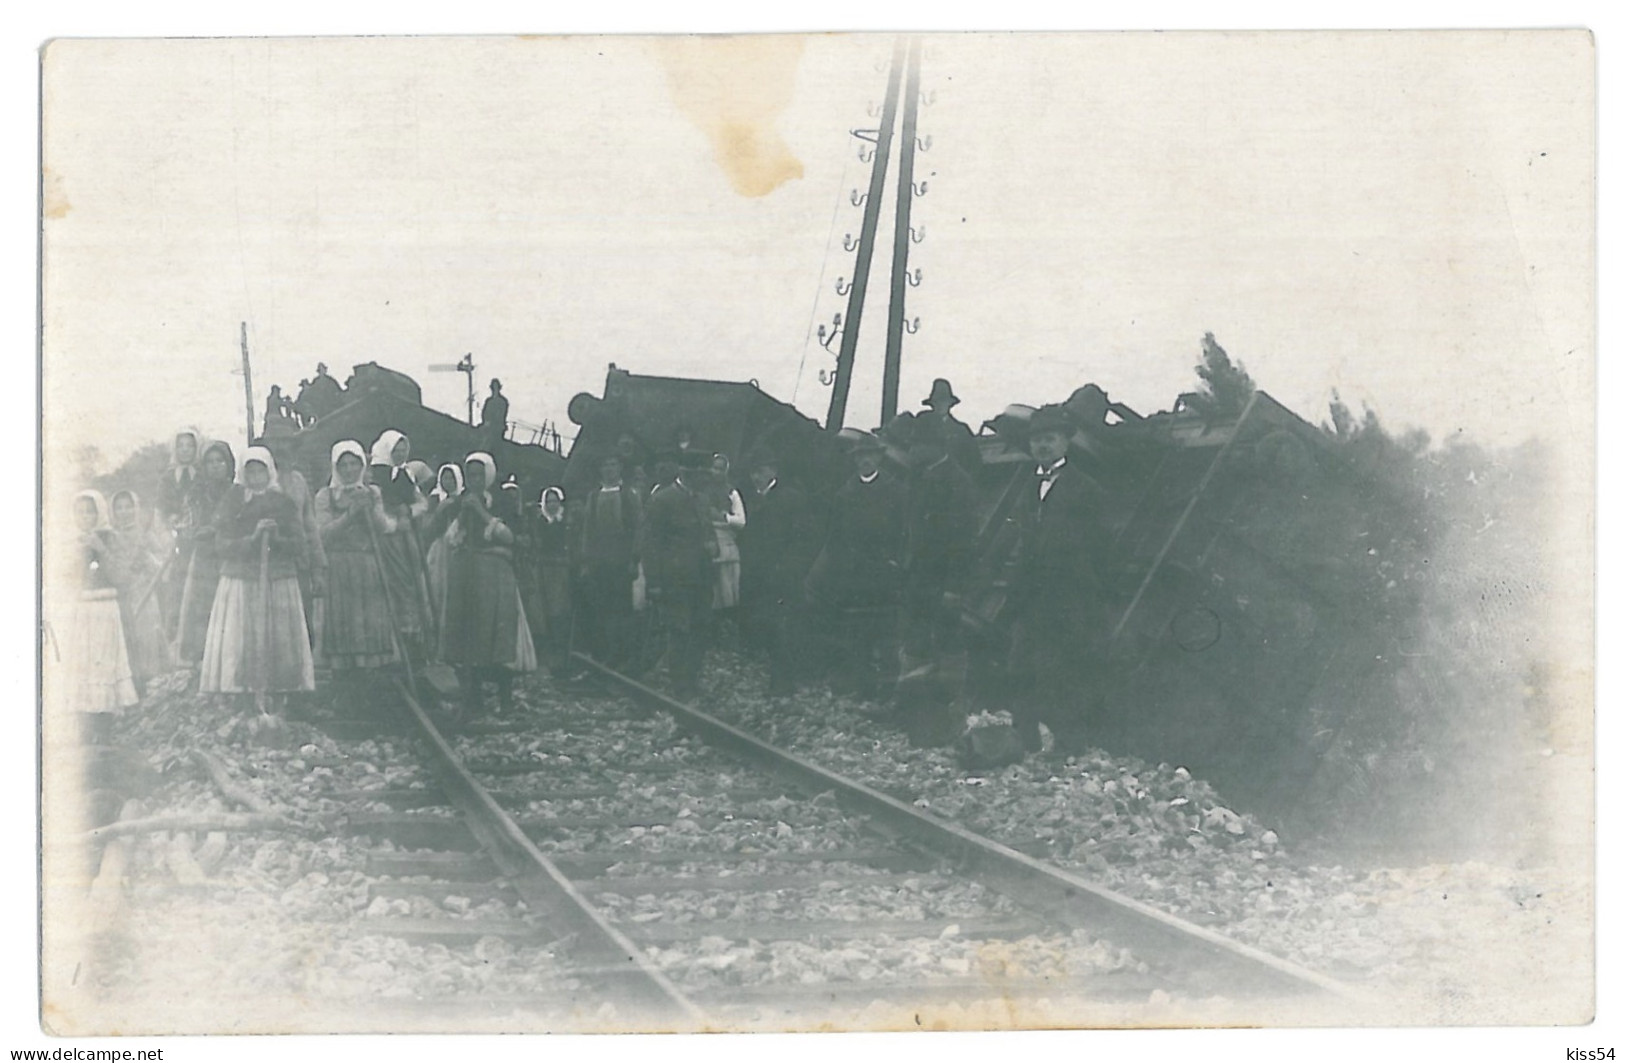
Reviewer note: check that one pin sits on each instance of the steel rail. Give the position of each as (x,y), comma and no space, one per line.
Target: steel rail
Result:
(1071,901)
(605,950)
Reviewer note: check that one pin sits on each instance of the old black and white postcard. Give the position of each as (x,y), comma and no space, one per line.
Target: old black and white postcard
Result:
(840,531)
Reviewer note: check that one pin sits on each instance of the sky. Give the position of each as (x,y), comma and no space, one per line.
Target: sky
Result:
(1405,218)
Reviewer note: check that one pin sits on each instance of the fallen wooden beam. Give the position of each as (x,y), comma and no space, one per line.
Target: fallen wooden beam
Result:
(231,821)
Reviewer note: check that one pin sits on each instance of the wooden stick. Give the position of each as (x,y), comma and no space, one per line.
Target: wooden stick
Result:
(263,676)
(389,603)
(141,602)
(230,789)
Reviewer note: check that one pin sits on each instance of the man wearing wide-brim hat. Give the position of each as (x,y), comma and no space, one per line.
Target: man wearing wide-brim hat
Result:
(1057,603)
(958,438)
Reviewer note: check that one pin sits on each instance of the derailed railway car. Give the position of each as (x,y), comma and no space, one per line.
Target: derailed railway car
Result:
(1251,613)
(642,418)
(379,399)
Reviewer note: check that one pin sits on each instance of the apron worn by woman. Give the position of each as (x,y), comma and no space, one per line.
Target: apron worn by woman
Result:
(350,515)
(484,633)
(95,662)
(257,640)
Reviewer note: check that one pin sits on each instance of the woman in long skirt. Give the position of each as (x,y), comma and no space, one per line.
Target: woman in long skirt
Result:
(174,488)
(357,632)
(546,579)
(448,488)
(210,491)
(95,661)
(402,553)
(139,552)
(258,641)
(483,632)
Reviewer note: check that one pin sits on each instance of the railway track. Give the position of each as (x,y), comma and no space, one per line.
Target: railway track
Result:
(692,876)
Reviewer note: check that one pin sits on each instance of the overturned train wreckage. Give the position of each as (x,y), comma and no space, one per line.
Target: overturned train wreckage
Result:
(1251,618)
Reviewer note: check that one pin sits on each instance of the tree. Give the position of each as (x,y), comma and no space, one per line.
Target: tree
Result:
(139,472)
(1225,386)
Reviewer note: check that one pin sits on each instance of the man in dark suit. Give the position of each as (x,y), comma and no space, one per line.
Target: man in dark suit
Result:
(606,563)
(775,548)
(939,559)
(679,545)
(1057,602)
(855,581)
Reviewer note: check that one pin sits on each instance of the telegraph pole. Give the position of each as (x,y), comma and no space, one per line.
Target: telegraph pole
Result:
(900,239)
(248,385)
(866,247)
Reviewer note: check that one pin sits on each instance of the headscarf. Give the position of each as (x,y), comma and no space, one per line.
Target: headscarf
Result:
(457,474)
(262,455)
(383,449)
(103,520)
(551,492)
(341,448)
(231,459)
(135,500)
(490,464)
(509,504)
(175,464)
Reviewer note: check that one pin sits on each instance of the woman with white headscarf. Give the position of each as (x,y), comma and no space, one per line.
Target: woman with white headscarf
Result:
(185,450)
(356,632)
(95,661)
(483,632)
(257,640)
(174,488)
(402,553)
(211,491)
(544,578)
(449,485)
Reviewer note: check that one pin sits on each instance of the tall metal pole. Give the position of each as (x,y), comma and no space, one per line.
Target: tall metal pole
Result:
(248,385)
(866,247)
(900,240)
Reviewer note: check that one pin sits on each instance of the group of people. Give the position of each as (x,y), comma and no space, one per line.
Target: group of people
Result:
(868,587)
(244,573)
(255,579)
